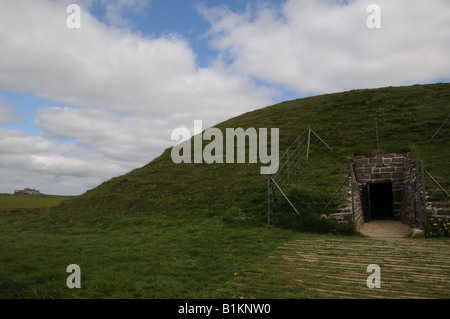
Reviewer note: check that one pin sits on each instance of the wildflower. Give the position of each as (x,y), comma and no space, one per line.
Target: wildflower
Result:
(435,224)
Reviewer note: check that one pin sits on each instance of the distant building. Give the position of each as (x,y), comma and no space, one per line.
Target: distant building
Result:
(27,191)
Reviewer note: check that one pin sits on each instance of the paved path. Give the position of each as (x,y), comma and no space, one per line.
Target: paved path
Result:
(385,229)
(336,267)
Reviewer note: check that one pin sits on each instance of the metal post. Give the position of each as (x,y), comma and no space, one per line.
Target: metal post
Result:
(415,192)
(436,182)
(353,194)
(309,142)
(424,195)
(448,117)
(322,140)
(335,194)
(282,193)
(288,170)
(269,199)
(376,132)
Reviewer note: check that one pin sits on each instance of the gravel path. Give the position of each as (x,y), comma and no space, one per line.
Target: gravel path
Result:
(385,228)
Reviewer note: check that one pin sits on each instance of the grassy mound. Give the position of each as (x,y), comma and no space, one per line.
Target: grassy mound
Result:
(170,230)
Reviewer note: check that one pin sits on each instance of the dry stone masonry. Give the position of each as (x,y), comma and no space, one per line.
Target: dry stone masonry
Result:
(384,188)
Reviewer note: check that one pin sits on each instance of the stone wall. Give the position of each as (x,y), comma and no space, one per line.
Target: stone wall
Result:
(392,168)
(407,195)
(439,211)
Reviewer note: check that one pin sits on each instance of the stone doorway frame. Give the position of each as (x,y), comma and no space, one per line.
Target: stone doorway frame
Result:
(395,168)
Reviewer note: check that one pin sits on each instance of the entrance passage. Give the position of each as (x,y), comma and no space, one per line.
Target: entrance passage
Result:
(378,201)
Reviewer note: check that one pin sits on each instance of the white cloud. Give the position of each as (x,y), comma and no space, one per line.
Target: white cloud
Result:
(324,46)
(27,161)
(130,139)
(99,66)
(8,113)
(118,94)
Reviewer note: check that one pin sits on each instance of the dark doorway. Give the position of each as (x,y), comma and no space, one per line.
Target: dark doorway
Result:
(377,201)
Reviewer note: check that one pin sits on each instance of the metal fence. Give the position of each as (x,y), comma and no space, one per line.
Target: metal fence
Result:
(296,154)
(431,183)
(433,196)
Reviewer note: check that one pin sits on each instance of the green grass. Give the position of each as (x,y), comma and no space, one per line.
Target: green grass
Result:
(30,201)
(127,258)
(182,231)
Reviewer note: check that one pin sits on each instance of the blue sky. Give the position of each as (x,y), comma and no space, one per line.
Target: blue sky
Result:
(80,106)
(153,19)
(174,16)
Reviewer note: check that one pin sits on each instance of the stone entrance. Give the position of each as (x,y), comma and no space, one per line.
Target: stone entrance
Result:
(384,188)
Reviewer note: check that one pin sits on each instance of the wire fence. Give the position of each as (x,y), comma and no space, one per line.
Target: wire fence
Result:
(382,131)
(432,198)
(291,158)
(287,192)
(296,154)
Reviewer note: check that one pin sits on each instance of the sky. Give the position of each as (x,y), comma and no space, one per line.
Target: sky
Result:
(92,94)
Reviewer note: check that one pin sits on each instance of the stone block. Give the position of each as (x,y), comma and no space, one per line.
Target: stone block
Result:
(398,164)
(363,170)
(397,196)
(398,160)
(361,160)
(385,175)
(399,176)
(363,177)
(376,160)
(375,176)
(416,232)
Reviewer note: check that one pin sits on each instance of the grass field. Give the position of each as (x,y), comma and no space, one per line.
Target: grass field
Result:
(208,258)
(30,201)
(128,257)
(199,230)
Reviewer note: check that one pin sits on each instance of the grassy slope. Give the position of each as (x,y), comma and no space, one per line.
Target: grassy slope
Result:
(407,117)
(170,231)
